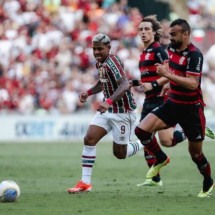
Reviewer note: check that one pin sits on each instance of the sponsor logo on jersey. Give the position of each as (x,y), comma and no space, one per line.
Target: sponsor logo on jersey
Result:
(122,138)
(188,62)
(160,57)
(199,64)
(114,69)
(144,72)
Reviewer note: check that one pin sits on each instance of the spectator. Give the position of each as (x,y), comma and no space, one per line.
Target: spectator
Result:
(36,35)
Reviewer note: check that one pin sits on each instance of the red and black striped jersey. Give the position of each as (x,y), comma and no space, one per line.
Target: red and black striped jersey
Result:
(190,62)
(110,72)
(155,53)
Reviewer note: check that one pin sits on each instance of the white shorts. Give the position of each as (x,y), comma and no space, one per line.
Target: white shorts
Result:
(121,125)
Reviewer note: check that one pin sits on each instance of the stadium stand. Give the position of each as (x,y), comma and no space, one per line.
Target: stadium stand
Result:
(45,55)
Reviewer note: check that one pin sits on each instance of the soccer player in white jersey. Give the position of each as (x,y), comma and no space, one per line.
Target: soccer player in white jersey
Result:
(115,113)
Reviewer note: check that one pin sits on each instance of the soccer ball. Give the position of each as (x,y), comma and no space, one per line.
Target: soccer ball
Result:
(9,191)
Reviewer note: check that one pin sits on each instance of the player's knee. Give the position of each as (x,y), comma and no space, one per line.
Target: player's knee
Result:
(119,151)
(119,155)
(166,142)
(89,141)
(144,136)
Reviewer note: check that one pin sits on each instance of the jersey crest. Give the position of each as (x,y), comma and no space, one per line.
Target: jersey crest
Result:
(181,60)
(147,56)
(102,77)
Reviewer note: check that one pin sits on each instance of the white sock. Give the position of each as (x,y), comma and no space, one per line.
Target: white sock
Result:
(88,159)
(133,148)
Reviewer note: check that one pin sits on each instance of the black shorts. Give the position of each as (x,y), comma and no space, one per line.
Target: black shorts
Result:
(191,118)
(149,105)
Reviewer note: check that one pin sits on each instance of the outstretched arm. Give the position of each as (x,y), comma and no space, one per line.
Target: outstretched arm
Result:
(94,90)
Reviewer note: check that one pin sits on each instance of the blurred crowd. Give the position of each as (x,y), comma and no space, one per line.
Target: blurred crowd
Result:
(202,20)
(46,58)
(201,13)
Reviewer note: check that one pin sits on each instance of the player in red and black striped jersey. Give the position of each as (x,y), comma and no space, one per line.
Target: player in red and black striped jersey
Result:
(185,105)
(151,55)
(185,63)
(150,32)
(115,113)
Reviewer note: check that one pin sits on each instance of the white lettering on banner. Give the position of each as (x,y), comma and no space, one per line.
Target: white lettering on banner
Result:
(72,128)
(44,128)
(34,129)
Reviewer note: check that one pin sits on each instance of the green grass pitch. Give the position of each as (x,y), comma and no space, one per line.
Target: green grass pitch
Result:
(45,171)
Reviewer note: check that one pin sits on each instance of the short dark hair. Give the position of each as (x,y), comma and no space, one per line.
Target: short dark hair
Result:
(183,23)
(156,26)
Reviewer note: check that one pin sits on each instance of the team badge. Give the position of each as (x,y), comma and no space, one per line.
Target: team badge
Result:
(102,77)
(147,56)
(181,60)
